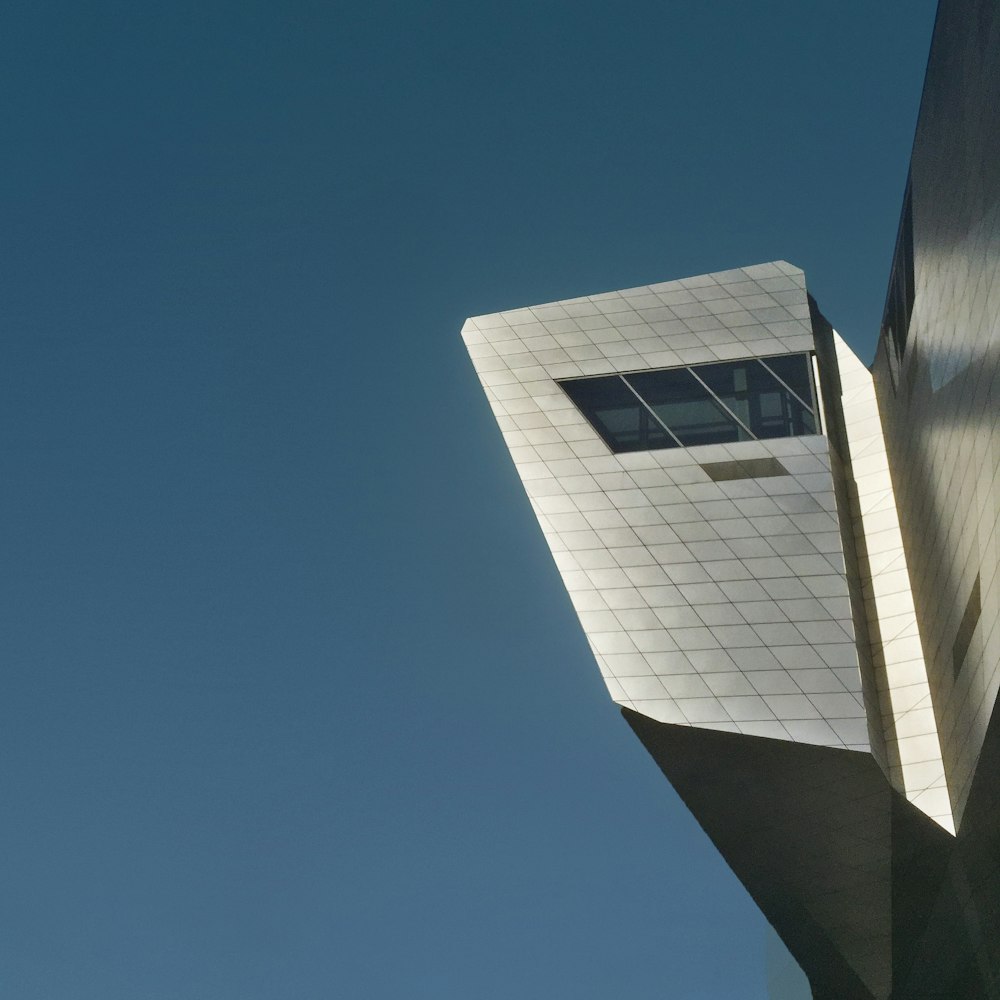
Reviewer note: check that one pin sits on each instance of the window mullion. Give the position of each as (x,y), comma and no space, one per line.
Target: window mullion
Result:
(725,409)
(652,412)
(785,385)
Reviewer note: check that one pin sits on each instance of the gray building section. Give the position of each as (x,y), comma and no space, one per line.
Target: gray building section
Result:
(709,578)
(786,564)
(937,371)
(808,832)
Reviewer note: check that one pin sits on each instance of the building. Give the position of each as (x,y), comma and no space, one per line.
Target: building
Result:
(786,563)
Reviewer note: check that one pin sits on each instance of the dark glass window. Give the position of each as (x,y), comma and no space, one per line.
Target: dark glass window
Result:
(902,291)
(617,415)
(759,399)
(746,400)
(686,406)
(795,371)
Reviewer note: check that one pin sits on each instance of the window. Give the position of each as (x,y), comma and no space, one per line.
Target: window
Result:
(966,628)
(618,414)
(747,400)
(902,294)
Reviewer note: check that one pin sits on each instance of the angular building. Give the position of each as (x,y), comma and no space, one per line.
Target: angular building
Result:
(786,563)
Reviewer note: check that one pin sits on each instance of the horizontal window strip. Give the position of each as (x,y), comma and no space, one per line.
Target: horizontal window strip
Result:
(719,402)
(970,619)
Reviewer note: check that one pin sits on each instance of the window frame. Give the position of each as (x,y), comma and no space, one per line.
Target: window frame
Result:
(746,429)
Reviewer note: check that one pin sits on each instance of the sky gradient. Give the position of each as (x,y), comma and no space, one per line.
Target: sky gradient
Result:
(294,704)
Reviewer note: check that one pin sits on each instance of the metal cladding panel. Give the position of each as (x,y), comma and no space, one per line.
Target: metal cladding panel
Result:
(872,897)
(937,375)
(717,604)
(906,713)
(808,831)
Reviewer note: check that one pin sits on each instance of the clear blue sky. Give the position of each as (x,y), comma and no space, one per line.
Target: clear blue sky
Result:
(293,704)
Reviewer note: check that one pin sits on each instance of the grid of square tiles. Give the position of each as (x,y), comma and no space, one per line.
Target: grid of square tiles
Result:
(943,422)
(746,312)
(945,448)
(907,713)
(722,605)
(716,604)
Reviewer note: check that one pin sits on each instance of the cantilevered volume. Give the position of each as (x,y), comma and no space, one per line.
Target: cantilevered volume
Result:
(787,569)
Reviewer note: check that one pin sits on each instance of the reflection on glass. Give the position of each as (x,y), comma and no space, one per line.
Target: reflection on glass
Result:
(687,407)
(758,398)
(617,415)
(700,404)
(794,371)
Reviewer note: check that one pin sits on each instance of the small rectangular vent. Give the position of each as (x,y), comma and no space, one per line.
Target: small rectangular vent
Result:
(749,468)
(963,637)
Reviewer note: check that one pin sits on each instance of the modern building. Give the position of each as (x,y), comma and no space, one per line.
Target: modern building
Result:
(786,564)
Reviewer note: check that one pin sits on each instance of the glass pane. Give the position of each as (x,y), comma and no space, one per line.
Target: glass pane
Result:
(686,407)
(758,398)
(795,371)
(616,414)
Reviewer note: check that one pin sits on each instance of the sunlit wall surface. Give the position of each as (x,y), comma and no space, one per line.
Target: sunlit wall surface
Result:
(786,564)
(706,463)
(669,439)
(938,375)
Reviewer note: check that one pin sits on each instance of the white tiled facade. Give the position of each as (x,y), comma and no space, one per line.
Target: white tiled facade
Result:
(938,390)
(718,604)
(804,630)
(899,673)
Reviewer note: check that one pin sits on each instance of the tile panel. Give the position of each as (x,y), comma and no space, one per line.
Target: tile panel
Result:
(680,577)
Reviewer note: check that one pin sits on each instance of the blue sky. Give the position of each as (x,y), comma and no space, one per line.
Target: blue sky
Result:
(294,705)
